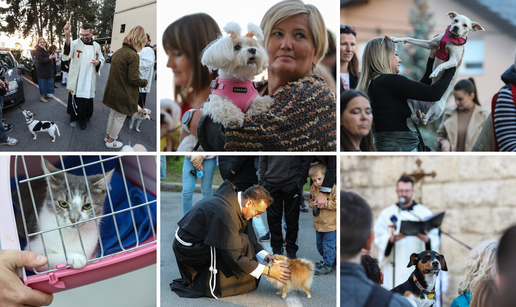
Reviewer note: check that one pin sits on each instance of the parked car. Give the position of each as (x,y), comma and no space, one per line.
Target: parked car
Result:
(15,94)
(28,59)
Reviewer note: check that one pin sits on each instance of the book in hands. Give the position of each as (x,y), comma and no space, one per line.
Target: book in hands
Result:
(412,228)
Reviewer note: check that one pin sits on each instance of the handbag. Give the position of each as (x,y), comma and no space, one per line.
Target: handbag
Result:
(426,148)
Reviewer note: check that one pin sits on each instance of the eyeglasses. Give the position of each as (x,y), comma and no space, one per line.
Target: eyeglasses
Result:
(344,29)
(256,209)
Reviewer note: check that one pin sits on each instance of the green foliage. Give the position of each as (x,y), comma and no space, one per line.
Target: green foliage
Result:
(105,22)
(415,58)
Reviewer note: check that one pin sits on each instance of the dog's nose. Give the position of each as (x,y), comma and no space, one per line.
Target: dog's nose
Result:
(435,264)
(252,50)
(455,29)
(162,117)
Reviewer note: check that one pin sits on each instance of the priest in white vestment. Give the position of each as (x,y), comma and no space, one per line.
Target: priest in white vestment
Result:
(386,231)
(86,60)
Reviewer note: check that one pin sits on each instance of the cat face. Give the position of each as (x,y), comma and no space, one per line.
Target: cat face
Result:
(72,202)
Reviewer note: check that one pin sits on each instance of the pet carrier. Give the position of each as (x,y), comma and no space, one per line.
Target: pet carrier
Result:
(126,229)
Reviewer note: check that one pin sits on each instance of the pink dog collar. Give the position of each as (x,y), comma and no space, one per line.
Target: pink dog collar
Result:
(241,93)
(442,53)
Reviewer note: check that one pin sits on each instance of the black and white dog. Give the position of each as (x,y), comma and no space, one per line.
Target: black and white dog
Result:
(39,126)
(420,287)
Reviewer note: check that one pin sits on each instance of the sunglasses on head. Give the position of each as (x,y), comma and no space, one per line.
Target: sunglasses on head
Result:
(347,28)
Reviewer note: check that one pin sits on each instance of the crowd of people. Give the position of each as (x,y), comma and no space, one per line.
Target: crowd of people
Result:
(486,270)
(129,79)
(220,226)
(388,119)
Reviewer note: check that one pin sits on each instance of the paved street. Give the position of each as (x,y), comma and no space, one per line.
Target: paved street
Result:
(323,287)
(72,137)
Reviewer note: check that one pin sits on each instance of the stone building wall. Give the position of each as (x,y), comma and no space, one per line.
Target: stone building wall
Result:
(478,194)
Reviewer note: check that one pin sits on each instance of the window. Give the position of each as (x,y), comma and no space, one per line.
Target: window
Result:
(122,28)
(473,61)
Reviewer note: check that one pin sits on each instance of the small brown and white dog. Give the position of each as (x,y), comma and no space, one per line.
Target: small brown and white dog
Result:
(301,275)
(142,114)
(451,46)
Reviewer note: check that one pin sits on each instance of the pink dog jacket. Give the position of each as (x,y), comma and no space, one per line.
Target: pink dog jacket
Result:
(241,93)
(442,53)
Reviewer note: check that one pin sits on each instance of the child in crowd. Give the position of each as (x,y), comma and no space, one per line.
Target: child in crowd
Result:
(325,221)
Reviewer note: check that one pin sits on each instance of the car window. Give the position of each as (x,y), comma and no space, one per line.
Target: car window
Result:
(7,60)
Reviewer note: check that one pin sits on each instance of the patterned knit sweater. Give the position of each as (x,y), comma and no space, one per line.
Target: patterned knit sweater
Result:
(301,118)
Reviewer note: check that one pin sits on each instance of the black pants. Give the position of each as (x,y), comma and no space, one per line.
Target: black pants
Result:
(286,198)
(141,99)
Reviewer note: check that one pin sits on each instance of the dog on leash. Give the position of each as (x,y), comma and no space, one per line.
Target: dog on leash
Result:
(420,287)
(451,46)
(301,275)
(238,60)
(40,126)
(142,114)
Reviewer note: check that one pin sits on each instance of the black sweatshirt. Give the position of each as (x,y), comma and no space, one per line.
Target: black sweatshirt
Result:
(389,94)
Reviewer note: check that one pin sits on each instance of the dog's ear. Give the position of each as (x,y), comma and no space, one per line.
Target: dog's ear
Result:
(256,31)
(475,26)
(413,260)
(218,54)
(444,267)
(451,14)
(233,28)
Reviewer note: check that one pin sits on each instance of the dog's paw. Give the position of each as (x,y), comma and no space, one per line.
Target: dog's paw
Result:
(308,295)
(279,292)
(283,296)
(137,130)
(392,39)
(259,105)
(435,73)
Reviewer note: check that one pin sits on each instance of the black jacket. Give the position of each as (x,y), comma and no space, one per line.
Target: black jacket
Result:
(44,64)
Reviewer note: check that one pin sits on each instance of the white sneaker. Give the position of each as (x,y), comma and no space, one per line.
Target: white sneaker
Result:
(10,141)
(106,139)
(114,144)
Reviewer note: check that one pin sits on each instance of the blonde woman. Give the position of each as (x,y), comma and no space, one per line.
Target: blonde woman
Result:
(45,70)
(389,91)
(121,93)
(480,265)
(486,295)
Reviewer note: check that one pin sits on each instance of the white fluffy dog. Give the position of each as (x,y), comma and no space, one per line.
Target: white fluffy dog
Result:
(238,60)
(450,51)
(142,114)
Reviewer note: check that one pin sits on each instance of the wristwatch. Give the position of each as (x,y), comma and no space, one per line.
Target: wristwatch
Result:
(187,117)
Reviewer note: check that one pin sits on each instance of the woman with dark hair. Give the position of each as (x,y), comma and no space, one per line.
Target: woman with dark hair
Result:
(356,119)
(348,59)
(463,122)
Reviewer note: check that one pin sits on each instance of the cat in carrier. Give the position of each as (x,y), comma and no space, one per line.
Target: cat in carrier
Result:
(57,215)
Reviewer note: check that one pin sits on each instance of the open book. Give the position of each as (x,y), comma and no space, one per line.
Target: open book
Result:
(412,228)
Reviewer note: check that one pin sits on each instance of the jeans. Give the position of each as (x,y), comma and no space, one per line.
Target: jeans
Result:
(3,135)
(163,167)
(189,182)
(326,243)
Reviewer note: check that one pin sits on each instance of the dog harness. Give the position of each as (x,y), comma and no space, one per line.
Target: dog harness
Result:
(431,294)
(241,93)
(442,53)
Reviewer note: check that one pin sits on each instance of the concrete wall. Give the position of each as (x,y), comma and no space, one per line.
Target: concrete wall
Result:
(378,18)
(477,192)
(133,13)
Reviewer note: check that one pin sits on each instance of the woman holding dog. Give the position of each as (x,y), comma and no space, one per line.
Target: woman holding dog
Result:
(122,87)
(463,122)
(389,91)
(303,111)
(45,70)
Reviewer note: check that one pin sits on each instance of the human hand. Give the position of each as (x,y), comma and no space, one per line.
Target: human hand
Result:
(461,57)
(2,84)
(12,290)
(423,236)
(67,28)
(197,162)
(433,51)
(321,201)
(399,236)
(95,62)
(445,145)
(52,56)
(280,272)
